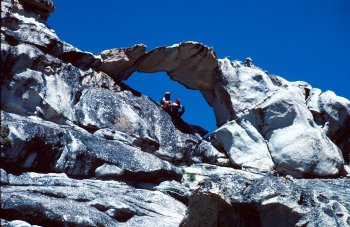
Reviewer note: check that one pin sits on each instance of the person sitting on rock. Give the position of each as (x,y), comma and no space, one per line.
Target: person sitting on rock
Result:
(248,62)
(165,102)
(177,110)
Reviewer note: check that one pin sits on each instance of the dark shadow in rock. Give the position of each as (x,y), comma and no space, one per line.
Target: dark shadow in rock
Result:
(187,128)
(30,216)
(123,215)
(212,210)
(90,128)
(154,177)
(11,40)
(342,140)
(81,60)
(124,86)
(38,156)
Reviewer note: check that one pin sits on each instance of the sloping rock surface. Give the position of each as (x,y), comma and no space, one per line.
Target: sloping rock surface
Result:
(80,147)
(84,202)
(46,147)
(246,200)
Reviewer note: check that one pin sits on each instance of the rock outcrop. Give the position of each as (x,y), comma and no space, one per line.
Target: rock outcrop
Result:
(65,201)
(244,145)
(276,108)
(80,147)
(241,199)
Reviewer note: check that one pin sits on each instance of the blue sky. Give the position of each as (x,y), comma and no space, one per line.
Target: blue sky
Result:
(296,39)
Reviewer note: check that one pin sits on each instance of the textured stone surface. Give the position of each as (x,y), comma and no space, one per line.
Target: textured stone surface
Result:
(47,147)
(244,145)
(15,223)
(239,199)
(19,25)
(119,62)
(280,114)
(85,202)
(174,189)
(32,78)
(149,127)
(108,171)
(190,63)
(332,113)
(295,142)
(80,147)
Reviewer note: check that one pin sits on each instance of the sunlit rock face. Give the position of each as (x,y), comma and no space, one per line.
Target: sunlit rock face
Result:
(80,147)
(244,145)
(290,138)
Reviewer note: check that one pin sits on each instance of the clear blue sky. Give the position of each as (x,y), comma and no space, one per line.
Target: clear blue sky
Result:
(305,40)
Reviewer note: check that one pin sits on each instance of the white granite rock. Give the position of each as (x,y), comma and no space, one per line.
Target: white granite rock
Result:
(244,145)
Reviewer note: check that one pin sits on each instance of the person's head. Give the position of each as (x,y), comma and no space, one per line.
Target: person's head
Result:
(177,100)
(167,95)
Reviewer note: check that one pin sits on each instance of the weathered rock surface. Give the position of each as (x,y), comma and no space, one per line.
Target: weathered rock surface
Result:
(47,147)
(41,7)
(241,92)
(296,144)
(146,124)
(242,200)
(80,147)
(20,25)
(174,189)
(244,145)
(190,63)
(15,223)
(119,62)
(35,72)
(333,114)
(84,202)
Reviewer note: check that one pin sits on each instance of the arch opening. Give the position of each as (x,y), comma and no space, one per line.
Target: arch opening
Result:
(198,112)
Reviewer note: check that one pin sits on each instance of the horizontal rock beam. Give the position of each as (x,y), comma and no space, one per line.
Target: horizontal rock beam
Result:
(190,63)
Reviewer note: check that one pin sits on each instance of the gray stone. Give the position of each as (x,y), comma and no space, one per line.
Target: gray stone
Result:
(210,154)
(15,223)
(244,145)
(108,171)
(25,25)
(146,124)
(238,199)
(174,189)
(70,119)
(332,113)
(45,146)
(25,87)
(297,145)
(3,177)
(85,202)
(119,62)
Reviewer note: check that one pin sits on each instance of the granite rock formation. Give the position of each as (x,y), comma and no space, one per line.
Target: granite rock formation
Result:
(81,147)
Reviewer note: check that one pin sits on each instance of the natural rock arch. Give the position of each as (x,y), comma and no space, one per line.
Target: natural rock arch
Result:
(192,64)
